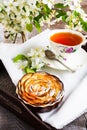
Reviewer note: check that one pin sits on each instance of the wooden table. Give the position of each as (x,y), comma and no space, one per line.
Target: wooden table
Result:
(9,121)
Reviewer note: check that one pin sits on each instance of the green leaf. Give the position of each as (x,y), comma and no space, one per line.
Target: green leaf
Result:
(84,25)
(38,4)
(19,57)
(60,13)
(46,9)
(30,17)
(59,5)
(76,14)
(24,9)
(29,63)
(64,17)
(29,27)
(29,70)
(38,17)
(37,25)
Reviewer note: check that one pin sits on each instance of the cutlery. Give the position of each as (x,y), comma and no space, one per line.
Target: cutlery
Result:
(50,55)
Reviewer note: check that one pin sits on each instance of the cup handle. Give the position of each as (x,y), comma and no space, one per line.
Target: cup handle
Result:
(85,36)
(85,40)
(84,46)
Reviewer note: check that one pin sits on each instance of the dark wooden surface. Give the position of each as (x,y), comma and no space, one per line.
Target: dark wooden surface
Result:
(8,120)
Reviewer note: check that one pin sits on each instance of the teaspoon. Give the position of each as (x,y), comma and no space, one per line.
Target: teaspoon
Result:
(50,55)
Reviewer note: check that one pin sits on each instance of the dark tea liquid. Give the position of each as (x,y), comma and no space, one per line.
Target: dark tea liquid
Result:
(66,38)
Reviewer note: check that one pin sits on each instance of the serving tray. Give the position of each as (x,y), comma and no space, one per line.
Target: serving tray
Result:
(9,100)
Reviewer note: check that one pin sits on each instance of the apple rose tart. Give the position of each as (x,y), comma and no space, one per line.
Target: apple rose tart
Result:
(40,89)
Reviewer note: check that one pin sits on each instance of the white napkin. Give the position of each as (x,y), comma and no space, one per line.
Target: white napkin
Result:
(73,107)
(75,100)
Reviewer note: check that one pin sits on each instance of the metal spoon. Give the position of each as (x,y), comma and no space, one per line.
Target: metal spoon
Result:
(49,54)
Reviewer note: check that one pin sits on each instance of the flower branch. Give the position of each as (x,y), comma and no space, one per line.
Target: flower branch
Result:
(30,14)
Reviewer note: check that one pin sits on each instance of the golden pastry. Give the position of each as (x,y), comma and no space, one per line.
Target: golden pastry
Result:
(40,89)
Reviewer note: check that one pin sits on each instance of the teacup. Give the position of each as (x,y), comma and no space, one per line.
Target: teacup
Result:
(65,41)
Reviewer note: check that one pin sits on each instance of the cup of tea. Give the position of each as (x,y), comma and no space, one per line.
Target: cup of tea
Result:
(65,41)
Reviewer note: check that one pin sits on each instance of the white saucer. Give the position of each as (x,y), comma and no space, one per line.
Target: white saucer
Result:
(74,61)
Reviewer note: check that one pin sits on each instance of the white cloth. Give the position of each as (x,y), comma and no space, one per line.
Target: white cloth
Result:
(73,107)
(75,98)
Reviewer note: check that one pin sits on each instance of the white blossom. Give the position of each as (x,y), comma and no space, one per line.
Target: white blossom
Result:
(73,4)
(50,3)
(36,55)
(15,16)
